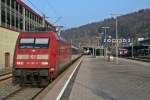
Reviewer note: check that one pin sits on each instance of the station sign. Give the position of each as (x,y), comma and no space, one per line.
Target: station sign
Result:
(117,40)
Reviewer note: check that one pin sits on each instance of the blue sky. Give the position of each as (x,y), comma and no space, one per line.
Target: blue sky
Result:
(74,13)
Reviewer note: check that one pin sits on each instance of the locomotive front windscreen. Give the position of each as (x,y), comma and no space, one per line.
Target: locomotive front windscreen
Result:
(34,43)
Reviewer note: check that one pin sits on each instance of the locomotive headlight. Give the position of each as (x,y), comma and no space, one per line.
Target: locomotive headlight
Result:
(42,56)
(20,56)
(44,63)
(19,63)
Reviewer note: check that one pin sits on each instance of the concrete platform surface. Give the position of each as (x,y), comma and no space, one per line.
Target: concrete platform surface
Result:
(83,87)
(98,79)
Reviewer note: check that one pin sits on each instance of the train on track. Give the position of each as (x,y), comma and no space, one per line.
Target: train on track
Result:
(40,57)
(138,50)
(122,52)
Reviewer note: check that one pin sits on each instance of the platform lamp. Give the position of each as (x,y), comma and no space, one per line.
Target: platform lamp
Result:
(105,33)
(117,44)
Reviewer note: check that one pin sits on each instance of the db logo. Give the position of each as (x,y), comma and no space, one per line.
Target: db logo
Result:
(33,50)
(32,56)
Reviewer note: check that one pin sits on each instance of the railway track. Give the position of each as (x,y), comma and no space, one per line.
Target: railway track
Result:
(23,93)
(139,59)
(5,76)
(8,91)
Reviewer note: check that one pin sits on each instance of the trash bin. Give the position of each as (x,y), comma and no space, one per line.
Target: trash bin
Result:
(111,58)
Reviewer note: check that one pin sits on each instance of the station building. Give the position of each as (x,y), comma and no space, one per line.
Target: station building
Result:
(15,17)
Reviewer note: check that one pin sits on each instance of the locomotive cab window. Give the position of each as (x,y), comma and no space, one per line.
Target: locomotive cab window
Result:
(34,43)
(41,43)
(26,43)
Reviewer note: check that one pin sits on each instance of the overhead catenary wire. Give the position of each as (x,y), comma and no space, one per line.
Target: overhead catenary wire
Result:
(52,8)
(42,11)
(39,10)
(54,11)
(35,7)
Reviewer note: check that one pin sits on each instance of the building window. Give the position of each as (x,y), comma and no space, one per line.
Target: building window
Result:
(8,2)
(12,3)
(21,23)
(3,16)
(8,18)
(25,12)
(3,1)
(28,14)
(26,28)
(21,9)
(16,6)
(12,20)
(16,22)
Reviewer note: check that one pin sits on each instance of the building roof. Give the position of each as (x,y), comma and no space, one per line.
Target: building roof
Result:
(31,10)
(28,8)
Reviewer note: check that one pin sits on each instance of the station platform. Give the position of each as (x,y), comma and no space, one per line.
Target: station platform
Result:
(85,87)
(98,79)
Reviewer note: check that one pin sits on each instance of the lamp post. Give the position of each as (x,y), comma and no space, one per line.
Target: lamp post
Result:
(105,32)
(132,48)
(117,44)
(117,41)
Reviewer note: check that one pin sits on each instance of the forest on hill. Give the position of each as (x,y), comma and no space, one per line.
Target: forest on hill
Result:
(133,25)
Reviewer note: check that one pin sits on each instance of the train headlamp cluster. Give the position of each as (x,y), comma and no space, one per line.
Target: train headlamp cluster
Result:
(19,63)
(44,63)
(42,56)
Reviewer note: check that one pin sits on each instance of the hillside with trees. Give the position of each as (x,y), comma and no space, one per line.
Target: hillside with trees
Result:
(136,25)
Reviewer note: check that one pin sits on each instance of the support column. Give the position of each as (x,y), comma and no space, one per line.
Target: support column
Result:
(24,20)
(29,22)
(35,22)
(6,13)
(0,12)
(10,15)
(15,14)
(18,18)
(93,51)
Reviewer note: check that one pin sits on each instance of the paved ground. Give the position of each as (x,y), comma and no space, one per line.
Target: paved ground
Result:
(3,71)
(98,79)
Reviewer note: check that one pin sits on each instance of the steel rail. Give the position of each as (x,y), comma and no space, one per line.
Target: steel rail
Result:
(5,76)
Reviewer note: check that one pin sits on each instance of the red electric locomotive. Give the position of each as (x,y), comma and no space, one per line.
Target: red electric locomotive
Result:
(39,57)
